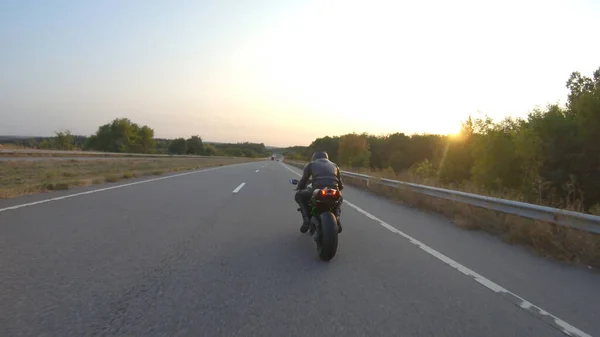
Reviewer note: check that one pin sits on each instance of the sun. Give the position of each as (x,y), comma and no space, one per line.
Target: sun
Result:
(454,132)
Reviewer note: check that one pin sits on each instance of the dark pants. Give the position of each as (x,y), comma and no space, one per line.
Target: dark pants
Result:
(303,198)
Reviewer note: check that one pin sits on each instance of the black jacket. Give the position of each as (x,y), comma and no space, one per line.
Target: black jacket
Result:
(323,172)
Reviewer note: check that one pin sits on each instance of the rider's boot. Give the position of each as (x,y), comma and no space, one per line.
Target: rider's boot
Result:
(305,218)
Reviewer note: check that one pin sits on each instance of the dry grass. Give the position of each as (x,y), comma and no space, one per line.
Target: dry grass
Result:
(13,151)
(546,239)
(9,146)
(44,154)
(19,178)
(72,154)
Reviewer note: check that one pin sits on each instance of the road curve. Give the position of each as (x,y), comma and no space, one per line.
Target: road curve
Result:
(218,253)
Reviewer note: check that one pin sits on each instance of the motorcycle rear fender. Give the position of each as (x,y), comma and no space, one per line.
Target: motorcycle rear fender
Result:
(316,219)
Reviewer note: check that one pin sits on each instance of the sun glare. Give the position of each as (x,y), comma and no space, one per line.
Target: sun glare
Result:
(453,130)
(347,71)
(355,74)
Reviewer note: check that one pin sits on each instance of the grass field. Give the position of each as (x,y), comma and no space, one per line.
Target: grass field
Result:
(19,178)
(12,147)
(23,152)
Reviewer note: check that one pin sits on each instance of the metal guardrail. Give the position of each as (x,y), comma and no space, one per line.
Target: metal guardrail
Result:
(581,221)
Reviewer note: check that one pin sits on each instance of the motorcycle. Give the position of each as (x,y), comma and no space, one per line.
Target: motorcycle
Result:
(324,206)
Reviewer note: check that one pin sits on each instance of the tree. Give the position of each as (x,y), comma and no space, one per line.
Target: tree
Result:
(210,150)
(354,150)
(162,145)
(379,157)
(496,164)
(178,146)
(424,169)
(529,149)
(194,145)
(90,143)
(243,149)
(426,147)
(64,140)
(146,138)
(328,144)
(584,109)
(33,143)
(47,144)
(121,135)
(456,162)
(399,161)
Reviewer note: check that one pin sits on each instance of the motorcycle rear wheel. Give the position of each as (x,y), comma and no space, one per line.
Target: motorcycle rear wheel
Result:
(327,240)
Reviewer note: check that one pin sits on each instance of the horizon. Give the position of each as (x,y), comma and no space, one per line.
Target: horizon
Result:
(239,71)
(21,137)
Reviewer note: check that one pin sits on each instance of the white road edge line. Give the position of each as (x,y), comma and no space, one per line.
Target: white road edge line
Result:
(534,310)
(237,189)
(112,188)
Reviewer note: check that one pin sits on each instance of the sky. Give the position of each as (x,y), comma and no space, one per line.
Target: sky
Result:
(284,72)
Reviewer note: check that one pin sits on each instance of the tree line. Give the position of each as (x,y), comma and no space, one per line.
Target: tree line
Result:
(551,157)
(124,136)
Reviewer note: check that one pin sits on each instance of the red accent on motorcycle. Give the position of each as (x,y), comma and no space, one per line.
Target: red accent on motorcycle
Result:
(326,193)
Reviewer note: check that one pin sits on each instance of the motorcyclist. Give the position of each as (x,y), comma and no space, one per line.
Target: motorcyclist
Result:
(324,173)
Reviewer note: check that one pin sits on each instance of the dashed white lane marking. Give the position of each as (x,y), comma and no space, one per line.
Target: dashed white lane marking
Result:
(237,189)
(534,310)
(112,188)
(256,171)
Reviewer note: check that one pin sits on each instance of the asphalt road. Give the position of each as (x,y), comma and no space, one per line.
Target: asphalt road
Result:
(219,253)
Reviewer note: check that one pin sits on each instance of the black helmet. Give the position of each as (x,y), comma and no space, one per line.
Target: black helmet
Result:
(320,155)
